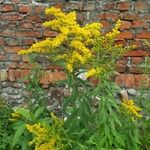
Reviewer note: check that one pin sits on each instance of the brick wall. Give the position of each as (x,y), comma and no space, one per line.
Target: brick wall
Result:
(20,27)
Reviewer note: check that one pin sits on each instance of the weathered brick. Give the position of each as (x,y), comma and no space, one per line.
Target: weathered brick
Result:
(14,57)
(17,74)
(129,16)
(135,69)
(123,6)
(125,25)
(137,60)
(106,24)
(137,53)
(27,41)
(24,65)
(139,6)
(112,16)
(34,18)
(120,68)
(7,8)
(14,49)
(12,41)
(28,33)
(125,80)
(140,24)
(137,80)
(143,35)
(13,65)
(24,9)
(2,42)
(49,33)
(108,6)
(125,35)
(11,75)
(26,25)
(11,17)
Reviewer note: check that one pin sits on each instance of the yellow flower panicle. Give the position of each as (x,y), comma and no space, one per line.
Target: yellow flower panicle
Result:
(131,108)
(115,31)
(76,41)
(95,72)
(14,116)
(54,11)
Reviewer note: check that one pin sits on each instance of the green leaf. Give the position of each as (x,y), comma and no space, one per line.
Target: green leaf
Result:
(25,113)
(17,135)
(38,112)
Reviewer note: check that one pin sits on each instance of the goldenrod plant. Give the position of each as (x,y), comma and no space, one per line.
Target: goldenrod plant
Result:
(85,49)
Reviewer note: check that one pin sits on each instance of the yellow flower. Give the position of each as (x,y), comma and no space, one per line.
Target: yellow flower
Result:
(131,108)
(14,116)
(95,72)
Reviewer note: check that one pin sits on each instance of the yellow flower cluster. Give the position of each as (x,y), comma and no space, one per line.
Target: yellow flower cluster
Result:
(40,132)
(95,72)
(115,31)
(46,137)
(79,46)
(78,39)
(14,116)
(131,108)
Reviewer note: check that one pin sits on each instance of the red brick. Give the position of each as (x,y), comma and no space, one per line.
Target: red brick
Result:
(35,18)
(135,69)
(120,42)
(137,53)
(11,75)
(125,35)
(49,33)
(2,42)
(143,35)
(17,74)
(13,65)
(11,17)
(2,57)
(105,24)
(140,24)
(27,42)
(136,42)
(26,25)
(25,72)
(125,25)
(24,65)
(108,6)
(39,9)
(44,79)
(57,76)
(123,6)
(113,16)
(15,57)
(28,33)
(7,33)
(129,16)
(137,81)
(14,49)
(54,68)
(141,6)
(120,68)
(7,8)
(125,80)
(25,9)
(137,60)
